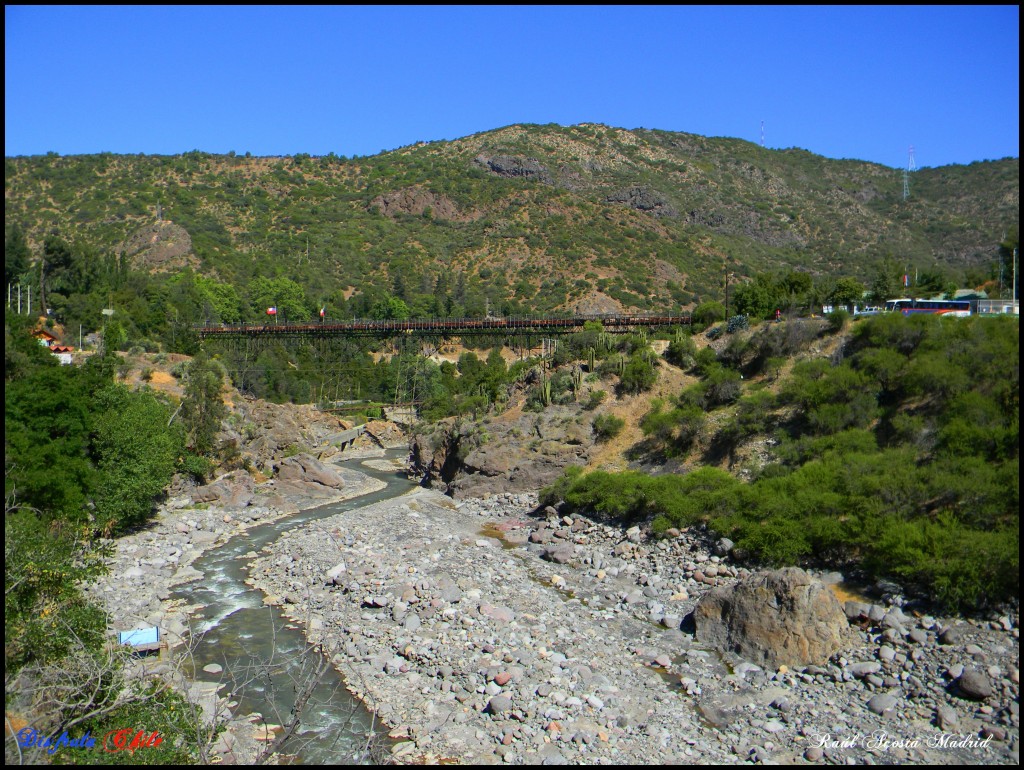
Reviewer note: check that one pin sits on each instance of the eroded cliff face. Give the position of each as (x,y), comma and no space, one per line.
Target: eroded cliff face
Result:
(514,452)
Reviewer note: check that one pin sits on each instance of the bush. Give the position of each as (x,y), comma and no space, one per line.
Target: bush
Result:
(607,426)
(837,319)
(705,359)
(681,351)
(707,313)
(595,399)
(639,375)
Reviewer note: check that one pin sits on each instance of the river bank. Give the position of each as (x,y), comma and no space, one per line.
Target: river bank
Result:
(483,634)
(150,572)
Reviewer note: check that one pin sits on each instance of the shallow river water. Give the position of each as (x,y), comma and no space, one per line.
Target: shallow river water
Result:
(263,654)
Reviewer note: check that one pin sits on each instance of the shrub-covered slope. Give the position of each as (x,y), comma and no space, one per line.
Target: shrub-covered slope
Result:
(524,218)
(897,456)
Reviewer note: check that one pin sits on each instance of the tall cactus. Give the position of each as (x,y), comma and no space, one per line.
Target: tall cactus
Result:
(577,381)
(545,392)
(591,360)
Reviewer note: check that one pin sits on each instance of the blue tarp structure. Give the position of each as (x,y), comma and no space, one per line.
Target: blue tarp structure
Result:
(143,636)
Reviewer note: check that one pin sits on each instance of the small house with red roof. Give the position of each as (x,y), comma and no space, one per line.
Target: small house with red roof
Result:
(49,340)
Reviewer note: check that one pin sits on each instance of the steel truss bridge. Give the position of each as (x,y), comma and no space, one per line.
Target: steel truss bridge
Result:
(453,327)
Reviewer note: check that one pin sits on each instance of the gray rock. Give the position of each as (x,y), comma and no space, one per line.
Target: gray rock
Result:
(861,670)
(336,574)
(784,617)
(951,635)
(882,704)
(856,610)
(918,636)
(560,554)
(305,467)
(499,704)
(723,546)
(946,718)
(974,684)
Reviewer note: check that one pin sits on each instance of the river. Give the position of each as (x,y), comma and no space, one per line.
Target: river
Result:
(264,655)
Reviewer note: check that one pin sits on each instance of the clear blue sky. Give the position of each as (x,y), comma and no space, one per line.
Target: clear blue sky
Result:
(844,82)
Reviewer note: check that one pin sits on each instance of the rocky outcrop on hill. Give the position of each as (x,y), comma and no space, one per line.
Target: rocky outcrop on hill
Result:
(780,618)
(416,201)
(382,433)
(306,469)
(597,303)
(502,454)
(644,199)
(160,246)
(509,167)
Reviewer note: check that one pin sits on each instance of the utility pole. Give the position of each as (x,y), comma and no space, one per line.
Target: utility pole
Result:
(726,292)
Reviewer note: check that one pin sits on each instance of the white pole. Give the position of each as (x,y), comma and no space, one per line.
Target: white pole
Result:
(30,299)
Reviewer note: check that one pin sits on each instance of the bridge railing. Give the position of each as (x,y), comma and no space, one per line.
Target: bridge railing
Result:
(443,325)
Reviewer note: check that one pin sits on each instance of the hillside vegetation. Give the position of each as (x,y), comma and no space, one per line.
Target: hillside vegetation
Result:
(524,219)
(896,457)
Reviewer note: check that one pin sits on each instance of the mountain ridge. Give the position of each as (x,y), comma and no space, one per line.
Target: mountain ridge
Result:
(532,217)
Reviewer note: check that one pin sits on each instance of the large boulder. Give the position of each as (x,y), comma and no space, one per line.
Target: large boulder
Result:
(785,617)
(233,490)
(510,453)
(305,467)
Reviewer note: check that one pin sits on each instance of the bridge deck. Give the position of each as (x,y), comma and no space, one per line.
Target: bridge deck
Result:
(444,326)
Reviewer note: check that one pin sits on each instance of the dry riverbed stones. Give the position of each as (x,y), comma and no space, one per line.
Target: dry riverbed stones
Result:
(490,631)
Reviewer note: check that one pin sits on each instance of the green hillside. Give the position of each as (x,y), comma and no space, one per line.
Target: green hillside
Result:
(521,219)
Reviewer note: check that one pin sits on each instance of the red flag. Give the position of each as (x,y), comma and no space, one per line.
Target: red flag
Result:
(271,311)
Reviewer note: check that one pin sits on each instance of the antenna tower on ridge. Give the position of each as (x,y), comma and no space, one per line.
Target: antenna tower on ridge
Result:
(762,133)
(911,166)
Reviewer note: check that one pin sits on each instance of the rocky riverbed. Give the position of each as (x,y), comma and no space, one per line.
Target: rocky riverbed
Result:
(148,567)
(486,632)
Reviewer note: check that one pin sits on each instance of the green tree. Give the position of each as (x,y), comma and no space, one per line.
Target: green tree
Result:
(390,309)
(638,375)
(221,299)
(885,285)
(47,427)
(16,255)
(708,313)
(755,299)
(136,452)
(202,407)
(283,293)
(847,291)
